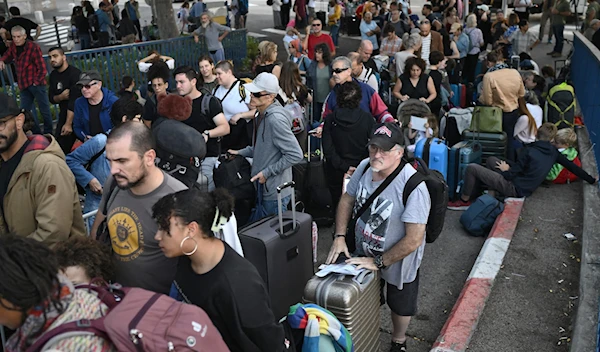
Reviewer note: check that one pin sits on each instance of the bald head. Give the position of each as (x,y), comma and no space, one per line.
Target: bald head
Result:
(365,50)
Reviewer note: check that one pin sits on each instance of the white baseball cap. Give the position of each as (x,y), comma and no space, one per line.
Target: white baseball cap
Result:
(484,7)
(264,82)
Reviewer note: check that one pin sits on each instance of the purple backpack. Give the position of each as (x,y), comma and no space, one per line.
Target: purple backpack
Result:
(140,320)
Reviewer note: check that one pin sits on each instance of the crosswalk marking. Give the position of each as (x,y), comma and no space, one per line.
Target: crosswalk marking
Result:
(48,36)
(256,35)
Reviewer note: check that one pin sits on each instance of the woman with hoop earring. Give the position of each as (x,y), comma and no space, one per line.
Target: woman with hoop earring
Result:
(212,275)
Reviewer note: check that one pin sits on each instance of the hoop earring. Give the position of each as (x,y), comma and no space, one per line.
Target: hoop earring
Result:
(195,246)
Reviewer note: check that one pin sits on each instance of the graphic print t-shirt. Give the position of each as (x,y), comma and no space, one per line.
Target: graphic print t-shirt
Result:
(382,225)
(138,259)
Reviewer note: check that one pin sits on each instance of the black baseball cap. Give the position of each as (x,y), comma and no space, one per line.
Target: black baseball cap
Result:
(386,136)
(89,76)
(8,106)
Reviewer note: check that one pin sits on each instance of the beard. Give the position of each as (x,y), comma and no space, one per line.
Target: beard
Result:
(131,184)
(10,140)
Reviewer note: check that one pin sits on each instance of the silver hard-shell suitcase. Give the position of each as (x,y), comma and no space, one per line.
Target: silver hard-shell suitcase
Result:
(355,301)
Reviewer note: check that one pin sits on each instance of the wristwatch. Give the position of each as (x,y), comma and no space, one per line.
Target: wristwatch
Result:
(378,260)
(207,133)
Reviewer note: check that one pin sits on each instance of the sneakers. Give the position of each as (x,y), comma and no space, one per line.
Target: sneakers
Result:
(459,205)
(556,55)
(549,42)
(398,347)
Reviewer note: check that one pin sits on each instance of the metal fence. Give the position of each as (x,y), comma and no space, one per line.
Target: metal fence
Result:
(585,73)
(114,62)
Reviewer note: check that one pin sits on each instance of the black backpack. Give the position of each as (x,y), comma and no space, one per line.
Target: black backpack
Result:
(438,192)
(94,23)
(234,175)
(179,150)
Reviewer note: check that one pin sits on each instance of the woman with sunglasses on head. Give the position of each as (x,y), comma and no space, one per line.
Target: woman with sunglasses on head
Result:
(317,78)
(35,298)
(211,275)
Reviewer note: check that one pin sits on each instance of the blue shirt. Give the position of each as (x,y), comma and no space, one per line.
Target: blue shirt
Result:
(367,27)
(103,20)
(462,44)
(131,11)
(198,9)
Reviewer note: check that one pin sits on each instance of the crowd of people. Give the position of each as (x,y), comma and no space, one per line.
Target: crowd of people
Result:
(168,236)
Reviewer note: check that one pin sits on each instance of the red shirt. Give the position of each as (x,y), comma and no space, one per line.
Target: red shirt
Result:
(31,68)
(313,41)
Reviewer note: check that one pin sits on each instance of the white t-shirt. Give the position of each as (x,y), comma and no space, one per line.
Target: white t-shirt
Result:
(371,80)
(522,126)
(230,236)
(233,102)
(426,48)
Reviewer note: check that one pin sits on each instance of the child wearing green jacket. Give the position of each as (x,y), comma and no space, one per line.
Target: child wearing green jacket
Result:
(565,143)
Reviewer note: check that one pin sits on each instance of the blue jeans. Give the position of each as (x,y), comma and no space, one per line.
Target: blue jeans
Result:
(334,32)
(271,205)
(558,30)
(219,55)
(40,94)
(85,41)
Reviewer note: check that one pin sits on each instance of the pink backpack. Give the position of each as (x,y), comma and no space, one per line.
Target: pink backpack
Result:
(140,320)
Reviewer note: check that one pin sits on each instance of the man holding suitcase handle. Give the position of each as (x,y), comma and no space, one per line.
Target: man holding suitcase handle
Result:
(389,237)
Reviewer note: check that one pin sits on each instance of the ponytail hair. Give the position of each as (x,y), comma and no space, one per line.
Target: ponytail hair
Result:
(210,210)
(524,111)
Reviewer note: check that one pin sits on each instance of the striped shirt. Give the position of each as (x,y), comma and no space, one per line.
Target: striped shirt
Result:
(426,48)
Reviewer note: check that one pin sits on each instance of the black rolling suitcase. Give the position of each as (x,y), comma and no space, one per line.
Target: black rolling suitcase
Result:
(280,247)
(492,144)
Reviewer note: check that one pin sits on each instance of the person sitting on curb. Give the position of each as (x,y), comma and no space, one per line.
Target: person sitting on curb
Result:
(519,178)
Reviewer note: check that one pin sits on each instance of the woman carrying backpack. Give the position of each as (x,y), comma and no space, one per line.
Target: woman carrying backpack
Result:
(35,298)
(295,97)
(210,274)
(475,42)
(345,136)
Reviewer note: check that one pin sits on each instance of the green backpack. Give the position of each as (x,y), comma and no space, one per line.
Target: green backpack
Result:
(560,105)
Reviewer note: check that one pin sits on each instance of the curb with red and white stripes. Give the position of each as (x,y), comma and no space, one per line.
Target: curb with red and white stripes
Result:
(462,322)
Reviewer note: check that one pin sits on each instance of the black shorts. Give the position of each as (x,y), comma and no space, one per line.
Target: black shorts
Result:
(401,302)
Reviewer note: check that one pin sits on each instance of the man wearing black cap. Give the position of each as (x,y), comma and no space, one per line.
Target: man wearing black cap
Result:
(389,236)
(38,196)
(92,110)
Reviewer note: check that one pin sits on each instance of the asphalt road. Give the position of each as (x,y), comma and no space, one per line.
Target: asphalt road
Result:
(522,314)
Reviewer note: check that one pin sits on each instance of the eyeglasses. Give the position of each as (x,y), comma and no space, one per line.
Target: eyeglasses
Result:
(425,22)
(316,25)
(88,86)
(258,95)
(339,70)
(3,122)
(373,149)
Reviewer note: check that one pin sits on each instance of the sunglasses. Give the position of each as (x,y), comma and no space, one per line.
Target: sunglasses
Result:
(339,70)
(88,86)
(258,95)
(316,25)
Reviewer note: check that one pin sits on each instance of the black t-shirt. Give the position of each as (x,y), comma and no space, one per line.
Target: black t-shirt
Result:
(150,109)
(371,64)
(26,23)
(7,169)
(235,298)
(95,123)
(202,123)
(82,24)
(59,81)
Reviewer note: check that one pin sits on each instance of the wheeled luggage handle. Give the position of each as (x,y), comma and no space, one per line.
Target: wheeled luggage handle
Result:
(279,203)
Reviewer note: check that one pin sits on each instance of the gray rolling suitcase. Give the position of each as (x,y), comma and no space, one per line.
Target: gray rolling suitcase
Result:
(354,301)
(280,247)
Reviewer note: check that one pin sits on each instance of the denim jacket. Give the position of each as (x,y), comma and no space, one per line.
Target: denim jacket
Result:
(100,169)
(81,121)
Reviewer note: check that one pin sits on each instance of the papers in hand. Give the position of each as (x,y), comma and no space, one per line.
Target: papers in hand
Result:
(418,123)
(346,269)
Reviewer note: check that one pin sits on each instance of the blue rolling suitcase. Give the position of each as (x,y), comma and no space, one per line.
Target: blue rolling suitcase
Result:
(456,89)
(434,152)
(461,154)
